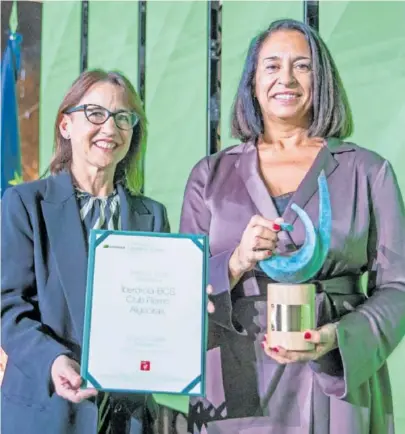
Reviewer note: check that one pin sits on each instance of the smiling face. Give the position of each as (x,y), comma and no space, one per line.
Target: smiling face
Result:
(98,147)
(283,79)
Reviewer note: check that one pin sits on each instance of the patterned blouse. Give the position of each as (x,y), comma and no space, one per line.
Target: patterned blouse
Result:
(99,212)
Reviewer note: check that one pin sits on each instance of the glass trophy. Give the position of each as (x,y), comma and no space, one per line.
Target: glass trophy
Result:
(291,298)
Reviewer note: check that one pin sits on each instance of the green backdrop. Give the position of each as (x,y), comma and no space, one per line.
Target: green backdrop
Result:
(367,40)
(113,37)
(176,98)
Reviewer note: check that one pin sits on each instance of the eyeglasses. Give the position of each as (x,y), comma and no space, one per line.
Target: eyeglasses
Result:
(97,115)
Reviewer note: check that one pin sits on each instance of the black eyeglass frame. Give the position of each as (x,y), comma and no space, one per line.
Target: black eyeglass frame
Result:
(83,108)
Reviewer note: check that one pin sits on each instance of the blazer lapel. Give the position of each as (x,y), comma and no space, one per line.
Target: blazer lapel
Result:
(68,245)
(248,168)
(309,185)
(135,216)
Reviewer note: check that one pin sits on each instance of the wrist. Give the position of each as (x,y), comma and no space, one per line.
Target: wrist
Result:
(235,267)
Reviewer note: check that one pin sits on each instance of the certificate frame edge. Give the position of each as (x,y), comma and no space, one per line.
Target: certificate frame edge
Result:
(84,365)
(204,328)
(84,373)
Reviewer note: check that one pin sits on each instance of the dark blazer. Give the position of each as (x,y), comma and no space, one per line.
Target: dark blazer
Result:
(44,266)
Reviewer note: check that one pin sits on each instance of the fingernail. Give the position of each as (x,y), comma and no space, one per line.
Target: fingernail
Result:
(263,344)
(269,252)
(307,335)
(276,227)
(275,350)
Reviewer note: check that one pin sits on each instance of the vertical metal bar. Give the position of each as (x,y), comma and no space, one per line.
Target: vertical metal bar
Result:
(142,62)
(213,76)
(209,138)
(84,39)
(141,48)
(311,13)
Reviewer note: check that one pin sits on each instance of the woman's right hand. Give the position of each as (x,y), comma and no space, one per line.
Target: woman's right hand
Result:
(258,242)
(65,374)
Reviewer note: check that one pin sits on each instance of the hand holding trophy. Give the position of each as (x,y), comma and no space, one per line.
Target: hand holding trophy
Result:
(291,334)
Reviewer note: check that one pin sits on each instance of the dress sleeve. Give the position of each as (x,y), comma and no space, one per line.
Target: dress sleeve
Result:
(368,335)
(29,344)
(195,219)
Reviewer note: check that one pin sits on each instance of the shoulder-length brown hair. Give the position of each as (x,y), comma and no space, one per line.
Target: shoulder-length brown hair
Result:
(129,170)
(331,114)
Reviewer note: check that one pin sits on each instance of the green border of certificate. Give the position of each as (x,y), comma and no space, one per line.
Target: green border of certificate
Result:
(194,386)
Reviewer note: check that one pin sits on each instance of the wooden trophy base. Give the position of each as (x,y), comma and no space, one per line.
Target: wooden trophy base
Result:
(290,311)
(293,341)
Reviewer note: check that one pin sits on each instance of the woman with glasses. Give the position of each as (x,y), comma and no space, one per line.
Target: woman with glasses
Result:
(94,183)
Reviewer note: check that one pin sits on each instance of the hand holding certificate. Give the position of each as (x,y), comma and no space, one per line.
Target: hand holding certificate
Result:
(145,313)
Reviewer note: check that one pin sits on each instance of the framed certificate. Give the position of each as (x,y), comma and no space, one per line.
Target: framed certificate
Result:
(145,316)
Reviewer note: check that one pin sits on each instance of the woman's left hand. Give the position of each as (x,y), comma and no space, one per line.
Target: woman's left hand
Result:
(324,338)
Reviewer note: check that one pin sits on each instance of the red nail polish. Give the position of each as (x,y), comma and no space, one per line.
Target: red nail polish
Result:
(263,344)
(269,252)
(275,350)
(276,227)
(307,335)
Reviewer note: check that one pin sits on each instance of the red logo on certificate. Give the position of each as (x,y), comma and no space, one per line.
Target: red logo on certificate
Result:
(145,365)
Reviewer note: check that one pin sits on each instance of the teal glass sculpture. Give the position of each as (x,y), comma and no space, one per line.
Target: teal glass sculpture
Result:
(303,264)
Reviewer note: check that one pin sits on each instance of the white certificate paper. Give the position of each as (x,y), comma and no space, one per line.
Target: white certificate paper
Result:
(145,318)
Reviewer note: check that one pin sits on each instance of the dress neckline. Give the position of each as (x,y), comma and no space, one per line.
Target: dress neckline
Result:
(283,196)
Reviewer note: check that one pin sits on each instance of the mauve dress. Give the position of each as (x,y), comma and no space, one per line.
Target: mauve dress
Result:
(348,390)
